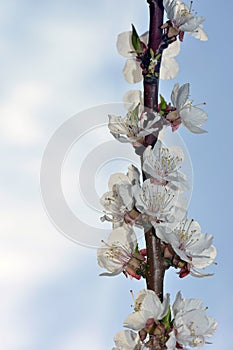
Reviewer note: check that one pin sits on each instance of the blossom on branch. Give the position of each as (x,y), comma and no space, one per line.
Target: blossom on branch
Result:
(163,165)
(134,127)
(182,20)
(191,249)
(147,306)
(159,205)
(191,325)
(119,200)
(184,112)
(120,254)
(133,71)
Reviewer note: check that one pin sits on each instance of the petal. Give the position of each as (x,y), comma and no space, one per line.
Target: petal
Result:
(124,236)
(174,94)
(124,44)
(192,118)
(132,71)
(116,125)
(136,321)
(133,174)
(117,178)
(172,50)
(169,68)
(199,33)
(126,340)
(178,304)
(182,96)
(208,257)
(132,98)
(191,24)
(170,8)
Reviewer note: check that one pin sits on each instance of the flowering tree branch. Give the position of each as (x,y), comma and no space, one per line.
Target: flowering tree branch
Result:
(152,199)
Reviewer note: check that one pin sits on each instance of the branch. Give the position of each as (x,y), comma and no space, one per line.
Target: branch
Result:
(155,33)
(156,267)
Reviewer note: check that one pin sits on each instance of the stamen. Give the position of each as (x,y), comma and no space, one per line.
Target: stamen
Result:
(131,292)
(190,7)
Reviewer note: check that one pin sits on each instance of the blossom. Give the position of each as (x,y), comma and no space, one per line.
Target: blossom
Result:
(147,306)
(183,20)
(127,340)
(191,324)
(118,200)
(159,204)
(191,246)
(120,253)
(163,165)
(184,112)
(132,70)
(132,128)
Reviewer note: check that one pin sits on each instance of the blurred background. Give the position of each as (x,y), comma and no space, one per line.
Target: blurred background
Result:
(58,58)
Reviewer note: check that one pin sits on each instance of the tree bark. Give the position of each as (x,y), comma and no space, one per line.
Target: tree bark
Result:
(156,267)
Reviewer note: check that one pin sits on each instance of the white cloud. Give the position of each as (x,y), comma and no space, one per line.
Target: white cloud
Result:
(20,112)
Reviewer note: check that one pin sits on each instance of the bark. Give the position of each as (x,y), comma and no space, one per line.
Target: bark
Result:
(155,33)
(156,267)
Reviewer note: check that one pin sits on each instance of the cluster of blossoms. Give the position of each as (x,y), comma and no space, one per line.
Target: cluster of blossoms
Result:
(158,329)
(157,203)
(154,201)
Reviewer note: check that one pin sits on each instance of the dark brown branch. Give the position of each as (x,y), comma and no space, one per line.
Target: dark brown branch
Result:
(156,21)
(155,34)
(156,268)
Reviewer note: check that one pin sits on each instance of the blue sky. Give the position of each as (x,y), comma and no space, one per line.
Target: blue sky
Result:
(57,59)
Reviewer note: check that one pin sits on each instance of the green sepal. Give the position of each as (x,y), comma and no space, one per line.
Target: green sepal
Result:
(163,104)
(167,319)
(136,249)
(158,56)
(143,270)
(136,42)
(152,55)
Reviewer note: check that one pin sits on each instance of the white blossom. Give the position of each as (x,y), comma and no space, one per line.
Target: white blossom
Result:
(183,20)
(191,245)
(147,306)
(158,203)
(191,324)
(127,340)
(190,116)
(131,128)
(163,165)
(132,70)
(115,255)
(118,200)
